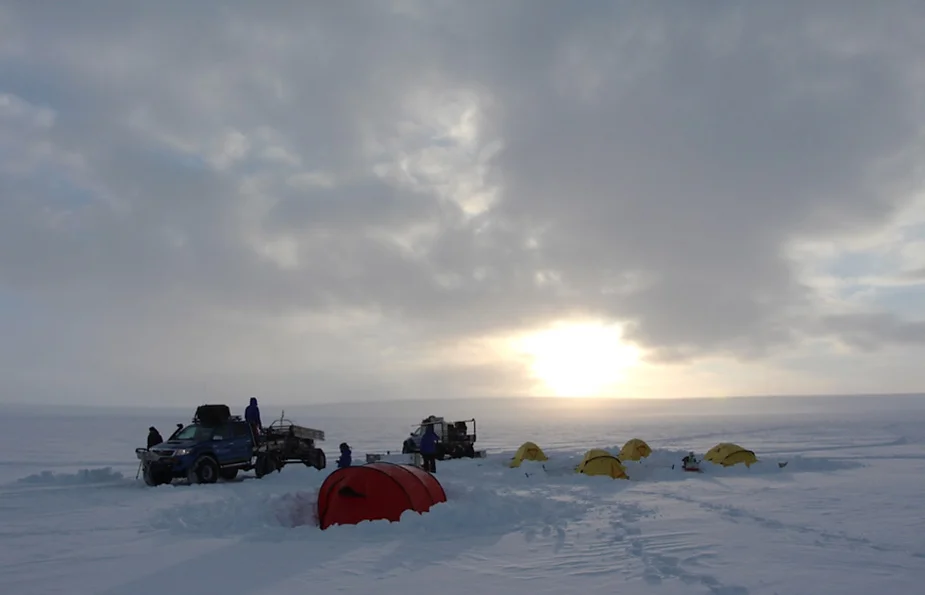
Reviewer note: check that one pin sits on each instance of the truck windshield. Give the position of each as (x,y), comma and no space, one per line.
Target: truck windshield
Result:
(194,432)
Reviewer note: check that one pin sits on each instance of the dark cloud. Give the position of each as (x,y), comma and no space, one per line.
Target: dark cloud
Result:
(869,332)
(212,169)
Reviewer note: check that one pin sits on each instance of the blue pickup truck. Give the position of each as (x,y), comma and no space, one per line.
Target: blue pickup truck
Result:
(218,445)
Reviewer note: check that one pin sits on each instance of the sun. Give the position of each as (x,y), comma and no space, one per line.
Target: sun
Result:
(579,360)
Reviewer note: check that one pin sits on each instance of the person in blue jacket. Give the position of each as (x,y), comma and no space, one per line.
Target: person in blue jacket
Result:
(429,448)
(346,456)
(252,416)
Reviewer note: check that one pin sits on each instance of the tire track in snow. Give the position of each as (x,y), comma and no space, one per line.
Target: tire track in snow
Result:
(616,543)
(618,539)
(657,565)
(732,514)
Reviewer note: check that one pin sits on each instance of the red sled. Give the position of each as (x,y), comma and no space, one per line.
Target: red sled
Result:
(692,469)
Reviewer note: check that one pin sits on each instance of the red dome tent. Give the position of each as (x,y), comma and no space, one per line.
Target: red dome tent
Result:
(376,491)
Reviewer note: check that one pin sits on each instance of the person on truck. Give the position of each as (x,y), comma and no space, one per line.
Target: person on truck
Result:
(346,456)
(252,416)
(429,448)
(154,437)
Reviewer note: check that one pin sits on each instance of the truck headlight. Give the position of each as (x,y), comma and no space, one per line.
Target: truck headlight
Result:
(182,452)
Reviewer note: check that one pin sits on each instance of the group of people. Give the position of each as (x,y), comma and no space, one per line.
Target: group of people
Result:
(252,416)
(428,441)
(428,449)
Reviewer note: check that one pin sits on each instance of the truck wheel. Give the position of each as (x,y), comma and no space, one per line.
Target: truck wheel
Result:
(318,460)
(149,477)
(470,451)
(205,470)
(263,465)
(156,477)
(229,474)
(164,476)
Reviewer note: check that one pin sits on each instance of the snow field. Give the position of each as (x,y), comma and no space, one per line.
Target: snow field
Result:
(843,517)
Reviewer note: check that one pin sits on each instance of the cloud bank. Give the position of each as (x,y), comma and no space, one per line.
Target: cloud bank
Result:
(334,201)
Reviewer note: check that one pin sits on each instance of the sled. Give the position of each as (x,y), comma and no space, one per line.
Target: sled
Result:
(692,467)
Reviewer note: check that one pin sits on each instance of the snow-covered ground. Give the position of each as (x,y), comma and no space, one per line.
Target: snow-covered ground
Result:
(845,516)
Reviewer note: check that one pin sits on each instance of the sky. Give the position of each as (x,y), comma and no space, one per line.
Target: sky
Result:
(319,201)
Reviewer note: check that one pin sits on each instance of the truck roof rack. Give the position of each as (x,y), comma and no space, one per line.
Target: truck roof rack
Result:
(212,415)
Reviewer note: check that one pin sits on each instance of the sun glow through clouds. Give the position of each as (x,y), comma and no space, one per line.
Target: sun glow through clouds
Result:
(579,360)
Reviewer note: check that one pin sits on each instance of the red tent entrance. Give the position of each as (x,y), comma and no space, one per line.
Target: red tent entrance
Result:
(376,491)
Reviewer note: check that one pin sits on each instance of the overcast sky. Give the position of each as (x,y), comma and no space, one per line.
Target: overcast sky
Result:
(313,201)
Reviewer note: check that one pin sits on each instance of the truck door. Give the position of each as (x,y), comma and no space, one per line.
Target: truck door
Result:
(221,444)
(242,443)
(416,436)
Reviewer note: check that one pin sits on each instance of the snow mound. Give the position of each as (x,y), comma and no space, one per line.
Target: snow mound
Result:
(296,509)
(658,467)
(483,511)
(83,476)
(239,512)
(468,509)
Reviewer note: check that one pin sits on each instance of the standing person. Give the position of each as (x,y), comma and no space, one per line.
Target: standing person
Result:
(429,448)
(346,456)
(154,437)
(252,416)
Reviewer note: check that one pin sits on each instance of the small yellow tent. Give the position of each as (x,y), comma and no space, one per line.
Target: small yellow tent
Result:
(600,462)
(528,451)
(728,454)
(634,450)
(716,450)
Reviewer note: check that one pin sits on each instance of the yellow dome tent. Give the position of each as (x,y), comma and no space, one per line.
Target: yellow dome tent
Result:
(600,462)
(634,450)
(728,454)
(712,454)
(528,451)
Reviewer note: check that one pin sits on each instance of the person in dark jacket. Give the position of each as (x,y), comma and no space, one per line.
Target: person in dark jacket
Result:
(429,448)
(252,416)
(346,456)
(154,437)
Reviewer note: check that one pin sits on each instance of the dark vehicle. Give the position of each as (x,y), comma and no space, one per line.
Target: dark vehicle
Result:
(455,440)
(218,445)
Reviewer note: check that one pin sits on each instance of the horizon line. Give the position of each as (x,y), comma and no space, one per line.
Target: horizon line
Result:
(482,398)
